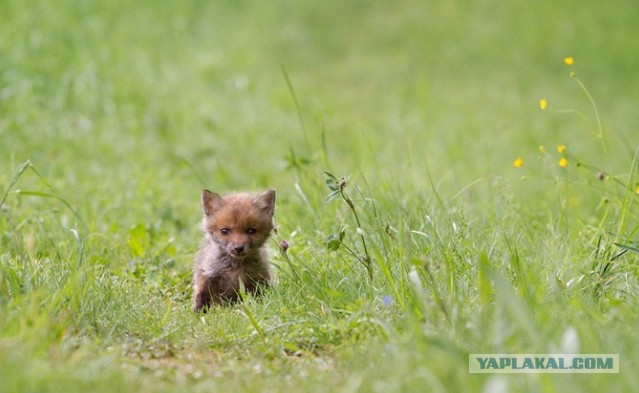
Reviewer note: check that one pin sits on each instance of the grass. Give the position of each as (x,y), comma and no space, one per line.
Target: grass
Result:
(114,115)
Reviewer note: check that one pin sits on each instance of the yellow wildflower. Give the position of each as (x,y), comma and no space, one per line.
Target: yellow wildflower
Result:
(569,61)
(518,163)
(637,190)
(563,162)
(542,149)
(561,148)
(543,103)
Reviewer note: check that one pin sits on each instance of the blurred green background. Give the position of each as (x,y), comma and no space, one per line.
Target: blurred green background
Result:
(134,86)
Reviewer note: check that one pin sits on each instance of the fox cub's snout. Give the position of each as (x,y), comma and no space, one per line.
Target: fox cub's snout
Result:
(235,227)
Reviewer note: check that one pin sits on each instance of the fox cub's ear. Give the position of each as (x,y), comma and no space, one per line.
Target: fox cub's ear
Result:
(266,201)
(211,202)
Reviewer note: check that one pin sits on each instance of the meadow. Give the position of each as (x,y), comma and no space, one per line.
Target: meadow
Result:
(452,178)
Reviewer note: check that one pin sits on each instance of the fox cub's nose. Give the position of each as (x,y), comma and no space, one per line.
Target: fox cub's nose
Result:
(239,248)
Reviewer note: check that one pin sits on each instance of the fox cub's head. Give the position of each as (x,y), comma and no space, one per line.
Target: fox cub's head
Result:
(240,223)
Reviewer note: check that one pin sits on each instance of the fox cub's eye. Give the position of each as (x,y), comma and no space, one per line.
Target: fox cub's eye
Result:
(225,231)
(251,231)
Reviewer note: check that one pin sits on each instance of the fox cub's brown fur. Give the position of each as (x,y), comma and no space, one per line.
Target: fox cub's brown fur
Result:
(235,228)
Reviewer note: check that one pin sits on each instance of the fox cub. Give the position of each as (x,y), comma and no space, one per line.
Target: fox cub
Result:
(235,227)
